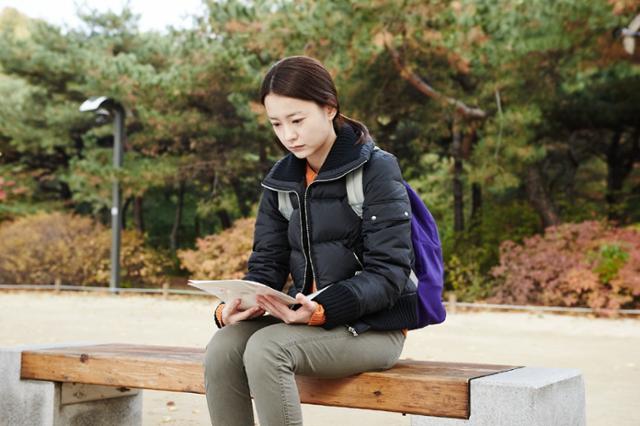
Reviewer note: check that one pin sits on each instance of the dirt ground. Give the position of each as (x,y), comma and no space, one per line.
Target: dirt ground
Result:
(606,351)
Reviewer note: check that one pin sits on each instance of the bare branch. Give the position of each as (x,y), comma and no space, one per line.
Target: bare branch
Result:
(468,113)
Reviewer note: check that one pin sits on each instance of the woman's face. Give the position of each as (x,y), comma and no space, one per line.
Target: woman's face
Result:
(303,127)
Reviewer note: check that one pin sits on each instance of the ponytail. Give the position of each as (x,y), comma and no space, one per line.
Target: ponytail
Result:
(340,119)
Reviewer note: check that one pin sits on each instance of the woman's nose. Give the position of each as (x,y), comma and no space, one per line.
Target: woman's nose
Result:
(289,133)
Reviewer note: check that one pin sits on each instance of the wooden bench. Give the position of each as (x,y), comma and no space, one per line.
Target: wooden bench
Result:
(83,378)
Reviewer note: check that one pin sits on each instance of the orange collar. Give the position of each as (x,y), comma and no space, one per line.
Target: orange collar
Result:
(310,175)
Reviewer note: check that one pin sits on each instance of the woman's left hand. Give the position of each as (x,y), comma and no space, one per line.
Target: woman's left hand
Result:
(281,310)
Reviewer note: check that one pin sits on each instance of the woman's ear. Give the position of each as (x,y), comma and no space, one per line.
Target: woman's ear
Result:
(331,112)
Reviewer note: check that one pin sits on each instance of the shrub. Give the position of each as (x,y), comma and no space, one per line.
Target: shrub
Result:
(588,264)
(223,255)
(469,255)
(141,266)
(466,280)
(41,248)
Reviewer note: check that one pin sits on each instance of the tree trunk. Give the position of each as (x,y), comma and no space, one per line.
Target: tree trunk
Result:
(476,205)
(123,216)
(138,214)
(264,161)
(65,191)
(619,166)
(223,215)
(244,203)
(539,198)
(196,226)
(173,240)
(458,190)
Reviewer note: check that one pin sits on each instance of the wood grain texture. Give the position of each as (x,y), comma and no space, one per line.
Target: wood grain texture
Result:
(413,387)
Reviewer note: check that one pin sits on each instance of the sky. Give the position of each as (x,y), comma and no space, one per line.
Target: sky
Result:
(154,15)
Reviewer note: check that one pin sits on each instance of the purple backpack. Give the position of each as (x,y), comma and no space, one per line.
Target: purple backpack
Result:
(428,273)
(429,266)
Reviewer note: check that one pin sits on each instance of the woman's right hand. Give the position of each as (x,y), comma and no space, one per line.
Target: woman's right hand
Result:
(232,314)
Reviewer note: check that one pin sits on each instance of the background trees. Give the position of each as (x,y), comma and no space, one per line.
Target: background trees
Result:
(508,117)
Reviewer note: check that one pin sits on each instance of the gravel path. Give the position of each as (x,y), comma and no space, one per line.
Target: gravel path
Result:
(607,351)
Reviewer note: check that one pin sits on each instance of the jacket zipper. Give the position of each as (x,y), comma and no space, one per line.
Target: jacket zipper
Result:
(304,284)
(309,259)
(313,272)
(357,259)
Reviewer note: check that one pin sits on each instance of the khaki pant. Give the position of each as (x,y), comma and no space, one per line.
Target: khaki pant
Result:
(260,357)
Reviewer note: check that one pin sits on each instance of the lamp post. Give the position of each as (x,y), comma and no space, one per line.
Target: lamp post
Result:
(103,105)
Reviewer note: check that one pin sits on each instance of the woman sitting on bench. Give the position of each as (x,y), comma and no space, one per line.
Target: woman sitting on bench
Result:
(360,267)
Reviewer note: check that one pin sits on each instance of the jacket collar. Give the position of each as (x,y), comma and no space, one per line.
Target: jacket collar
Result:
(345,155)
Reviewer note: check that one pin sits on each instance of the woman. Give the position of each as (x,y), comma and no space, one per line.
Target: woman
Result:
(360,266)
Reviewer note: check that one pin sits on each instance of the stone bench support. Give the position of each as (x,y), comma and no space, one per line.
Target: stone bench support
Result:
(527,396)
(42,403)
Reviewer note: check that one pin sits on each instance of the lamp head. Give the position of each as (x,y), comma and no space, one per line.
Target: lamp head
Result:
(93,103)
(102,105)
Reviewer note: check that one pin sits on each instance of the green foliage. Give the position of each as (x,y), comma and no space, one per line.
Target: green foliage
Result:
(559,93)
(608,260)
(433,183)
(466,280)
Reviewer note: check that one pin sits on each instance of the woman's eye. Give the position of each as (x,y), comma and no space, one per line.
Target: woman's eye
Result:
(275,124)
(298,121)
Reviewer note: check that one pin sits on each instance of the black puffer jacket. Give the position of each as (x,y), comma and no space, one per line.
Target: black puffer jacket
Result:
(367,261)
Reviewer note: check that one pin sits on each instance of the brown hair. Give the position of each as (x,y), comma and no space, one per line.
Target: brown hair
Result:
(303,77)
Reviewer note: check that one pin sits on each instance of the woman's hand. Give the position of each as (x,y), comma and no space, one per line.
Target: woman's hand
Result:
(281,310)
(232,314)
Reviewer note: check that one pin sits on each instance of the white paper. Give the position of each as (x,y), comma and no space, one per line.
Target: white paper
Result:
(313,295)
(229,290)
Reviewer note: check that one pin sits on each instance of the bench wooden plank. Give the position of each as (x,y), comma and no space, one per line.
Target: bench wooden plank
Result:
(413,387)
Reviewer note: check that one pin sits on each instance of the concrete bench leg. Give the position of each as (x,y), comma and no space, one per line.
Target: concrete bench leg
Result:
(35,402)
(526,396)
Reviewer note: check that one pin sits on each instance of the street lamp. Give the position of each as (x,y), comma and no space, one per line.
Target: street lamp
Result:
(105,106)
(629,34)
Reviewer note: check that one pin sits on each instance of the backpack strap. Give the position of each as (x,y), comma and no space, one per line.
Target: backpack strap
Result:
(284,205)
(355,189)
(413,277)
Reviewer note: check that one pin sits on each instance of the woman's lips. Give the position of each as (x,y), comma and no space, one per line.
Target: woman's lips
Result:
(296,148)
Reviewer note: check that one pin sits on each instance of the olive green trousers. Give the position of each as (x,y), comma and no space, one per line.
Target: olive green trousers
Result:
(261,357)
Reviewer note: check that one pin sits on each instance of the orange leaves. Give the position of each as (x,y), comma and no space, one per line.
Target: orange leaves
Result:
(223,255)
(585,264)
(476,36)
(459,63)
(382,38)
(258,109)
(236,26)
(10,188)
(621,7)
(41,248)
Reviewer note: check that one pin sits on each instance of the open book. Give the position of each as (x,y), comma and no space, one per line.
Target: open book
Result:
(228,290)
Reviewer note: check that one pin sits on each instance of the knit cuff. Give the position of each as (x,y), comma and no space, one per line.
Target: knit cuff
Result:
(218,315)
(317,318)
(340,305)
